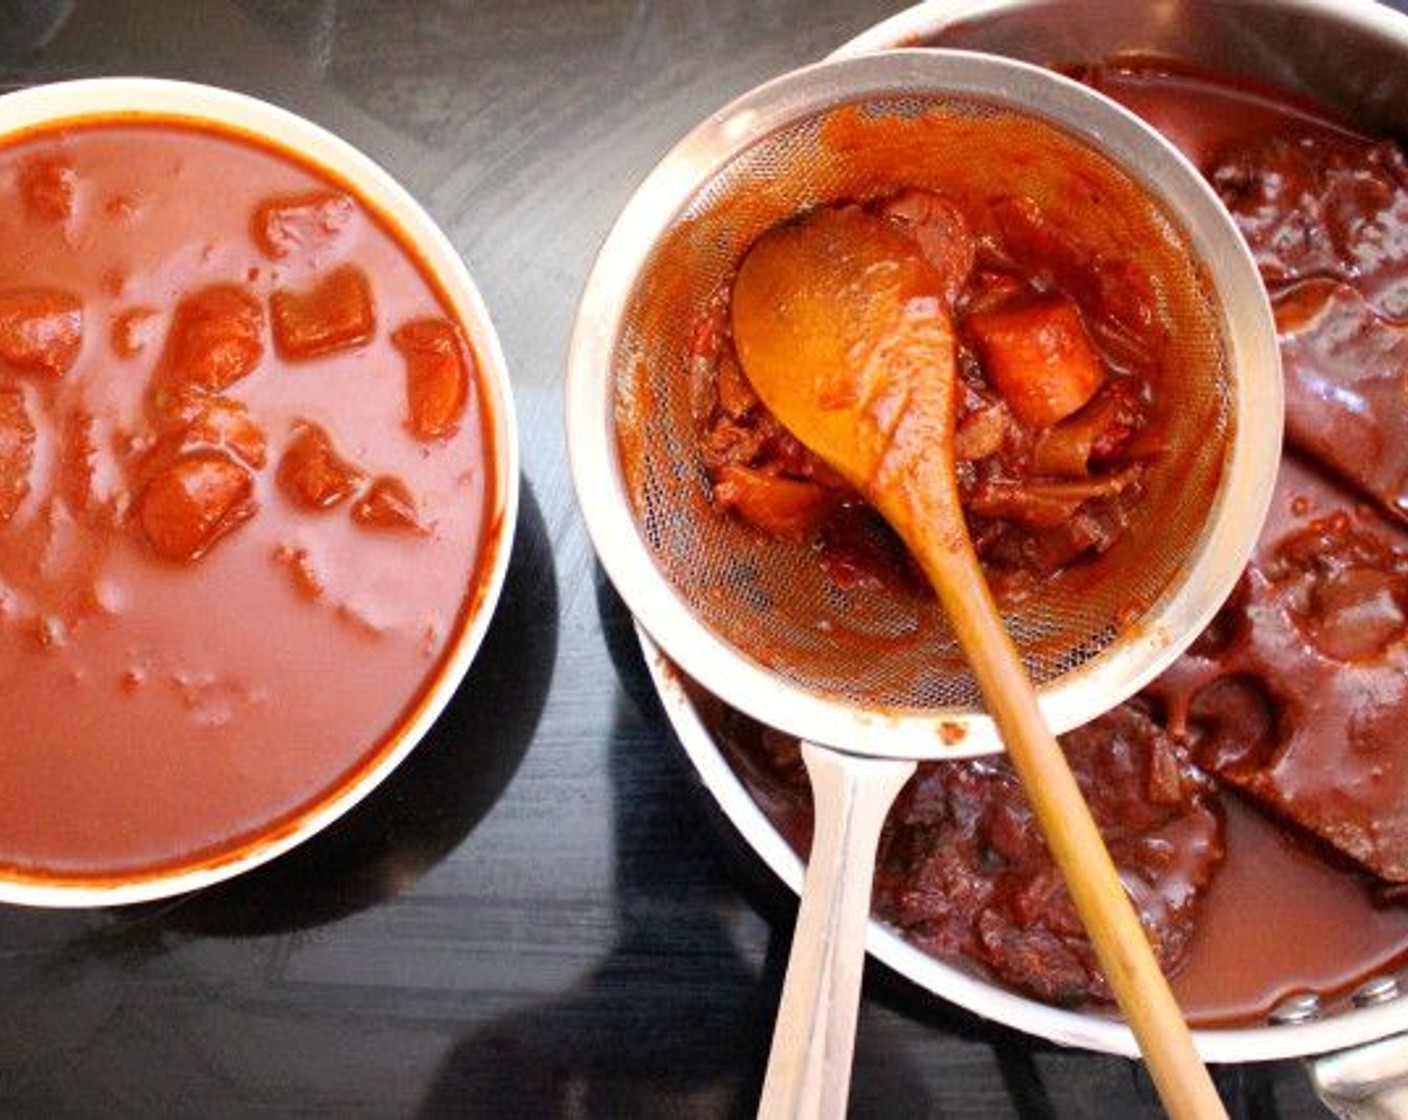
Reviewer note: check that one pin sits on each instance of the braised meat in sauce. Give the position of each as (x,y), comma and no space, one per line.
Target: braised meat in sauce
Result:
(1014,914)
(1263,778)
(963,869)
(1059,358)
(1297,696)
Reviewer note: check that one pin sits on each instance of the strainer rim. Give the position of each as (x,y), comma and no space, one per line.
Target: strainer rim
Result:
(663,196)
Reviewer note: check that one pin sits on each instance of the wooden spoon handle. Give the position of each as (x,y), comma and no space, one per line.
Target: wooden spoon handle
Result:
(809,1068)
(1104,906)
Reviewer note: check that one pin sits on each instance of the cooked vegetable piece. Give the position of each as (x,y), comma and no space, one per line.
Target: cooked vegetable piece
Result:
(736,396)
(437,375)
(1039,358)
(335,314)
(1044,503)
(41,331)
(981,433)
(387,504)
(216,338)
(47,185)
(312,474)
(300,222)
(785,507)
(16,449)
(194,502)
(1095,432)
(78,463)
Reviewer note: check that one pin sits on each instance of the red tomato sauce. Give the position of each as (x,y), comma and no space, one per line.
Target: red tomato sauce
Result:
(239,521)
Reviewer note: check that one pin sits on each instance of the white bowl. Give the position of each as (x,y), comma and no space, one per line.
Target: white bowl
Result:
(1302,44)
(280,130)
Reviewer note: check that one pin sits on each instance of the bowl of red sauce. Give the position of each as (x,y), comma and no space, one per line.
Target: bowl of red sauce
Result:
(258,483)
(1255,796)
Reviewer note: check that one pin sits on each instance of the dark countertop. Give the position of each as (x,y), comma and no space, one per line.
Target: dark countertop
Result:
(540,914)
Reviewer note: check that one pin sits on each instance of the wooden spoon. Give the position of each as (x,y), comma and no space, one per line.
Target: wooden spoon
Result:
(843,330)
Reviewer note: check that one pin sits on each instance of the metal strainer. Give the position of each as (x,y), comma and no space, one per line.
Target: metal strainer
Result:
(754,619)
(871,675)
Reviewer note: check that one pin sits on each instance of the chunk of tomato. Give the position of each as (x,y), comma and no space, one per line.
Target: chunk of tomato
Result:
(16,449)
(304,222)
(216,339)
(387,504)
(312,474)
(194,502)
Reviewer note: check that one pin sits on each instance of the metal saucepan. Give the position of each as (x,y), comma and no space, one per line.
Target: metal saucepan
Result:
(1352,54)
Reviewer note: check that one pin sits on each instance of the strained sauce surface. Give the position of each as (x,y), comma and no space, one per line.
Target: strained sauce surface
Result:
(243,488)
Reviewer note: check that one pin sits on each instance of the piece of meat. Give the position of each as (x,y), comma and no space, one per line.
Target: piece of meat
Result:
(1323,205)
(17,437)
(216,339)
(336,314)
(439,364)
(1298,696)
(964,867)
(41,331)
(298,223)
(964,871)
(193,502)
(312,474)
(1346,374)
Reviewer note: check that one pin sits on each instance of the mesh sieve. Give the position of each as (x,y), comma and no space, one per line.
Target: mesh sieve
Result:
(756,619)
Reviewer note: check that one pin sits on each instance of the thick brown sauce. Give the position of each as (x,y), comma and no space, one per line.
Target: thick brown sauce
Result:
(1281,915)
(161,711)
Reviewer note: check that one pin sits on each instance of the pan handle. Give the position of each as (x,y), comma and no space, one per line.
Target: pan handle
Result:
(809,1069)
(1367,1082)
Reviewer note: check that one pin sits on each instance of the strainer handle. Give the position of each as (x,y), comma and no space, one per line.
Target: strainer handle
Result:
(809,1068)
